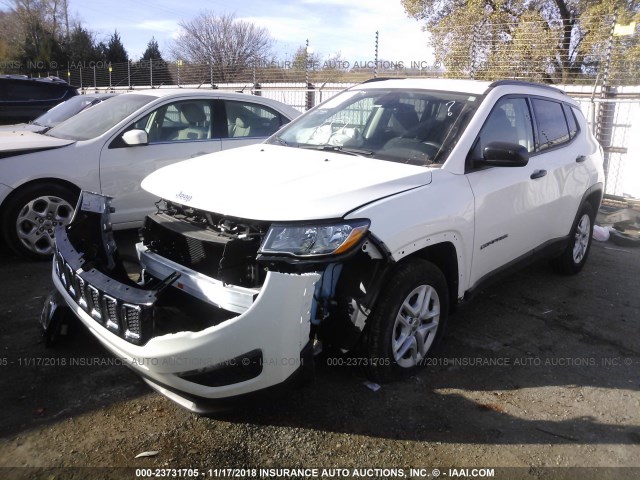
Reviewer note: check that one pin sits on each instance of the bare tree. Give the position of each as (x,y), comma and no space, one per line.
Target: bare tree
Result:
(229,45)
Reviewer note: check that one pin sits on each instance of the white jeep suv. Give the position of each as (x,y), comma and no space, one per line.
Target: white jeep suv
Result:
(358,225)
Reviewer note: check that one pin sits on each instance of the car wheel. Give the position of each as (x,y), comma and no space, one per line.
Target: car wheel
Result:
(408,321)
(31,217)
(575,255)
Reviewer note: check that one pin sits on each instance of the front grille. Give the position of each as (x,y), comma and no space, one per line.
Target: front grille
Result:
(94,309)
(110,309)
(132,322)
(81,291)
(68,275)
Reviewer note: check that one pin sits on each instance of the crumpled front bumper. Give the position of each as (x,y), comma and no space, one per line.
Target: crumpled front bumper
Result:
(257,349)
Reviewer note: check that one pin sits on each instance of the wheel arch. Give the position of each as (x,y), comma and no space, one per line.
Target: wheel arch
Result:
(37,182)
(375,272)
(594,196)
(445,256)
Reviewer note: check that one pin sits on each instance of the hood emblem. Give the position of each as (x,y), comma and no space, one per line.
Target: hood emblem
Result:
(184,196)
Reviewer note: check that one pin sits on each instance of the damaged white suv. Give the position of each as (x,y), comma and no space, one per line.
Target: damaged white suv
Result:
(358,225)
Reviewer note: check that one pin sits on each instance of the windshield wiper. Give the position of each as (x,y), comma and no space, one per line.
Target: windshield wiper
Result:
(339,149)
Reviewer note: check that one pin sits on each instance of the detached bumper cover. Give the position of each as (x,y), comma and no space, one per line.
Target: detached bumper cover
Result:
(267,337)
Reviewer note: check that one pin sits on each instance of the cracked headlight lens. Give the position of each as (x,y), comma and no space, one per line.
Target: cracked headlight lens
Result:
(311,240)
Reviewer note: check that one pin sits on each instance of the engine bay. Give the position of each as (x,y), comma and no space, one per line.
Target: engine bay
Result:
(214,245)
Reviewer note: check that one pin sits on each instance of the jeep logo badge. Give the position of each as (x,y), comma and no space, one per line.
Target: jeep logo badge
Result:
(183,196)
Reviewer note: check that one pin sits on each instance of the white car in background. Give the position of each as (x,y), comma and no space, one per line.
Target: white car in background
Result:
(59,113)
(111,147)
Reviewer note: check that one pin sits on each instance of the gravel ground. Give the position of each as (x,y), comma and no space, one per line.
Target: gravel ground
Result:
(536,372)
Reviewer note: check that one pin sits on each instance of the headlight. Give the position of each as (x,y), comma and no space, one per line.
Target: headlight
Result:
(311,240)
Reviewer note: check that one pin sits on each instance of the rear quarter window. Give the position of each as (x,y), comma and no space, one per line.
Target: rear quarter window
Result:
(552,125)
(571,121)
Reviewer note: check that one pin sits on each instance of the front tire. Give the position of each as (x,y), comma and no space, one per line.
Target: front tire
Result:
(408,321)
(575,255)
(31,217)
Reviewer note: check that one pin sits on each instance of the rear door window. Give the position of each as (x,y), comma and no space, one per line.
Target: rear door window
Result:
(248,119)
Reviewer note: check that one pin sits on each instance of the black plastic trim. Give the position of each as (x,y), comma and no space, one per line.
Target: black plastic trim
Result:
(235,370)
(213,405)
(547,249)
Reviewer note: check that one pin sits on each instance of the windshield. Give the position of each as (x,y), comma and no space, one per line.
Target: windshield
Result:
(97,120)
(64,110)
(419,127)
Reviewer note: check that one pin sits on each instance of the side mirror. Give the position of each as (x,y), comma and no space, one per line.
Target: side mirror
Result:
(135,137)
(504,154)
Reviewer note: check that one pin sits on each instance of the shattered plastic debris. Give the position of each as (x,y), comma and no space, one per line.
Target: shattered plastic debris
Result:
(374,387)
(151,453)
(600,234)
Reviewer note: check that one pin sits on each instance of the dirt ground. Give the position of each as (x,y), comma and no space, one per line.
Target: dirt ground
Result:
(536,374)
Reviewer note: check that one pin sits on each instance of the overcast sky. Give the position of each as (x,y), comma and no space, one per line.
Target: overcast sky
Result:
(332,26)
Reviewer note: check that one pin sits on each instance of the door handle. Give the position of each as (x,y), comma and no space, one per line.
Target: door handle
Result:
(581,158)
(198,154)
(538,174)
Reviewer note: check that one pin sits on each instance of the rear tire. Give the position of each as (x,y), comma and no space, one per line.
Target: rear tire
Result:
(575,255)
(31,216)
(408,321)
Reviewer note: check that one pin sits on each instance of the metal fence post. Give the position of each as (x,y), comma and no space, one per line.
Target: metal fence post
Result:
(306,62)
(375,64)
(606,111)
(311,96)
(474,52)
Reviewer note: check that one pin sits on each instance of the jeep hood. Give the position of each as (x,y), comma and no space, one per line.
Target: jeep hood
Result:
(24,140)
(277,183)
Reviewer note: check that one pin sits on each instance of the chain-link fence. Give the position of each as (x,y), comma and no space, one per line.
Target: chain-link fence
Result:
(591,51)
(594,64)
(613,115)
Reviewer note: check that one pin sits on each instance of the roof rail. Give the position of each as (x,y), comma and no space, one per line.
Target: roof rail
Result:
(499,83)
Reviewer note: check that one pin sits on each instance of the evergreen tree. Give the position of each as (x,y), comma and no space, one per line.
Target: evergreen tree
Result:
(115,52)
(81,46)
(153,51)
